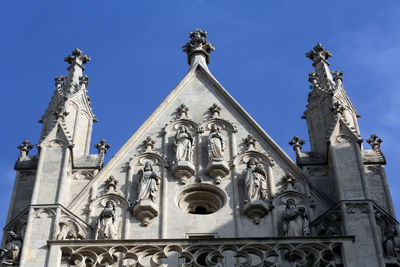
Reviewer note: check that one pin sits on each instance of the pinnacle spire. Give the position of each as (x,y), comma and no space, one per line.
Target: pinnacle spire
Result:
(198,46)
(76,60)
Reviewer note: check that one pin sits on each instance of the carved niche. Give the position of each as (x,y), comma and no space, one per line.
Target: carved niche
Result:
(147,172)
(256,184)
(183,136)
(70,229)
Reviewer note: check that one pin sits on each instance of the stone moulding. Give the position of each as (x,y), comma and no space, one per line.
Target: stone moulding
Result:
(205,252)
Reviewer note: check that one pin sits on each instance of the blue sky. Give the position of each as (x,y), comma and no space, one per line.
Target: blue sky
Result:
(137,60)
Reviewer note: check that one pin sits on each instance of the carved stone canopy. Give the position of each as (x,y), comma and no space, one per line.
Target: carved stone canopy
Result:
(198,44)
(318,54)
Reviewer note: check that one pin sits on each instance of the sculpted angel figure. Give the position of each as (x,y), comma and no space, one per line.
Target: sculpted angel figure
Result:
(295,220)
(255,182)
(216,144)
(148,183)
(10,254)
(106,228)
(184,144)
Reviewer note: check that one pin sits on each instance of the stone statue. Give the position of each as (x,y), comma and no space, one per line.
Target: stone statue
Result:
(106,228)
(295,220)
(148,183)
(391,242)
(255,182)
(216,144)
(184,144)
(10,254)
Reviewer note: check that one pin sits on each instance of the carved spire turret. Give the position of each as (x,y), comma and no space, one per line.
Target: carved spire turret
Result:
(198,48)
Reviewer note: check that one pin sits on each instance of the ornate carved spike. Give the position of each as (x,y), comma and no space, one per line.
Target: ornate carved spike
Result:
(84,80)
(250,142)
(76,56)
(102,147)
(319,53)
(59,81)
(288,181)
(182,110)
(111,184)
(374,141)
(148,144)
(337,108)
(198,43)
(24,148)
(215,110)
(296,143)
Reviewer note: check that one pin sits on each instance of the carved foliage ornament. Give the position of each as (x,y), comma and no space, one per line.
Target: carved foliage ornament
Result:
(198,42)
(318,53)
(24,148)
(374,141)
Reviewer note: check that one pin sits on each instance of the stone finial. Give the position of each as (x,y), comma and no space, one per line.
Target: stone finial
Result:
(296,143)
(250,142)
(337,108)
(111,184)
(182,111)
(61,113)
(148,144)
(84,79)
(24,148)
(59,81)
(374,141)
(337,75)
(319,54)
(288,181)
(102,147)
(215,110)
(77,56)
(198,44)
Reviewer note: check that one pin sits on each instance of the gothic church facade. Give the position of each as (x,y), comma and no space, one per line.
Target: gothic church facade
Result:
(200,183)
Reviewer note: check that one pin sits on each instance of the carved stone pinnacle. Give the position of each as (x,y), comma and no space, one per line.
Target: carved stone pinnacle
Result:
(148,144)
(374,141)
(24,148)
(296,143)
(215,110)
(319,54)
(288,181)
(182,111)
(84,79)
(250,142)
(198,44)
(102,147)
(77,57)
(337,108)
(59,81)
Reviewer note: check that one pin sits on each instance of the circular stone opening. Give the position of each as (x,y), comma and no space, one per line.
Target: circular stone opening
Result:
(201,199)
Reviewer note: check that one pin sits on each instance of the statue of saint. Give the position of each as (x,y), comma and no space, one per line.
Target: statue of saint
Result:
(295,220)
(255,182)
(216,144)
(148,183)
(184,144)
(10,254)
(106,228)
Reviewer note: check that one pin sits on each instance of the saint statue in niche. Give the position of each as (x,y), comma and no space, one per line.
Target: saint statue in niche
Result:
(216,144)
(10,254)
(184,144)
(295,220)
(256,185)
(106,228)
(148,183)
